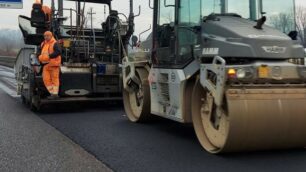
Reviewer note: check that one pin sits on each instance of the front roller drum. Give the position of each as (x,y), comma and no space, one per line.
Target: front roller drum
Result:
(250,119)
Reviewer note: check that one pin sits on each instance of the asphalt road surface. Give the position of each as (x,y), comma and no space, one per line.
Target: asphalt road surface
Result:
(103,130)
(27,143)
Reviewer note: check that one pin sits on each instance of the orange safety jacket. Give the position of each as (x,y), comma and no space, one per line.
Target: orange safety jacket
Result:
(48,54)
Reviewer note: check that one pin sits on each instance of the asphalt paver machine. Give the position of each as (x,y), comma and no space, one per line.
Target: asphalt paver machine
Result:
(218,65)
(91,56)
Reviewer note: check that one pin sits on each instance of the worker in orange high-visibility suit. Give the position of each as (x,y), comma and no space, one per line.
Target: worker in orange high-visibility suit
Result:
(50,57)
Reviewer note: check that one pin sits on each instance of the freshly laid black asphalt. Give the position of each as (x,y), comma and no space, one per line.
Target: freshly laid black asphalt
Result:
(29,144)
(161,145)
(103,130)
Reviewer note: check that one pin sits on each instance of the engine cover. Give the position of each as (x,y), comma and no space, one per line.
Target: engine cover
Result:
(231,36)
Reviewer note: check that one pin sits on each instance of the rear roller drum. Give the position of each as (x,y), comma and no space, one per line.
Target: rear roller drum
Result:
(137,103)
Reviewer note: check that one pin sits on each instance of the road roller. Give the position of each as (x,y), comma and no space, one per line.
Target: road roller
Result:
(225,68)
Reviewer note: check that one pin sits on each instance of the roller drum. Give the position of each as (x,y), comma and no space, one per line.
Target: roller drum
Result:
(253,119)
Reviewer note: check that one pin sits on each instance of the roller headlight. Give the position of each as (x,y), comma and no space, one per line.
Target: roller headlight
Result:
(241,73)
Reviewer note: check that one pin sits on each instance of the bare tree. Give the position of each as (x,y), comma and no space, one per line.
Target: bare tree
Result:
(283,21)
(301,23)
(11,42)
(169,17)
(8,47)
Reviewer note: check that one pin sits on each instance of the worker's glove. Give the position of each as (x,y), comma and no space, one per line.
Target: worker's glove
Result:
(44,58)
(45,54)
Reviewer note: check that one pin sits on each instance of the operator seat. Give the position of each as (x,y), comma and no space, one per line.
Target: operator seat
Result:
(164,34)
(40,16)
(109,28)
(110,22)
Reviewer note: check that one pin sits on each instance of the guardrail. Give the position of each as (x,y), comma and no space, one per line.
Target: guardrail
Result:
(7,61)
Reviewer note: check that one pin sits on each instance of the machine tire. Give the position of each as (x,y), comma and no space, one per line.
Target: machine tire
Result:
(32,106)
(33,96)
(135,111)
(35,107)
(23,99)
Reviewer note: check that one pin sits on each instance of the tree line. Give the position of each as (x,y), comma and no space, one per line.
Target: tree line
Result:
(287,22)
(11,42)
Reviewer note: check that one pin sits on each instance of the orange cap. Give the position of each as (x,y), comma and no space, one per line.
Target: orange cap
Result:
(48,33)
(37,1)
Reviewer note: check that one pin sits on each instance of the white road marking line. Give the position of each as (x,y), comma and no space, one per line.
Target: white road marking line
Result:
(8,78)
(6,68)
(11,82)
(9,91)
(7,74)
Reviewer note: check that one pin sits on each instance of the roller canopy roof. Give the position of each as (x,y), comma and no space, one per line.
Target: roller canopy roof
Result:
(95,1)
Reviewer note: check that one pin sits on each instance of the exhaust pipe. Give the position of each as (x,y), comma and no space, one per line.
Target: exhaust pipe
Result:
(131,8)
(131,23)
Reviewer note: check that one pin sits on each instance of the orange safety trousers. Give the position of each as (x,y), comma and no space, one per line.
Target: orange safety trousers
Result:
(51,78)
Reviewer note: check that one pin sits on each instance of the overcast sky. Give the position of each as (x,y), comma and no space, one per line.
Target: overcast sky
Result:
(8,17)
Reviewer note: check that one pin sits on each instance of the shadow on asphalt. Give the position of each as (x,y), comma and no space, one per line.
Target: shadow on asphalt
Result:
(69,107)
